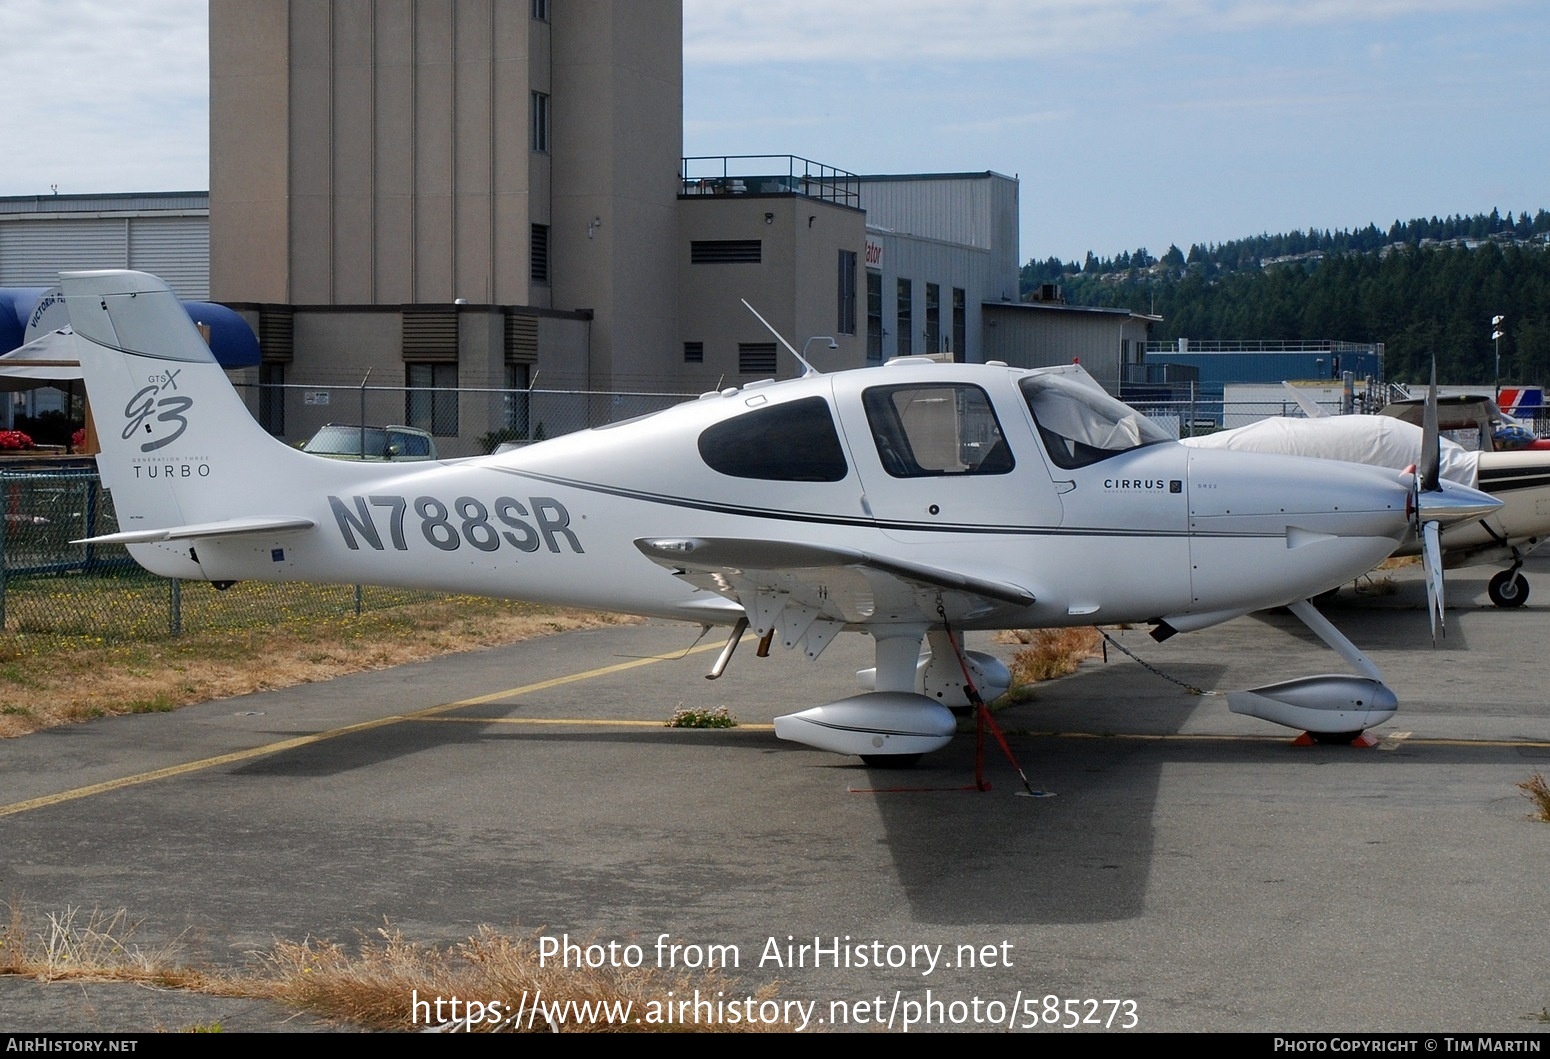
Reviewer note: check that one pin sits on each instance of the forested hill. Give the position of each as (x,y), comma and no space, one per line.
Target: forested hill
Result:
(1424,287)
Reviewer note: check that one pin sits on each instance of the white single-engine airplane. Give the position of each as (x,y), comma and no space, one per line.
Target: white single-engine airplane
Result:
(912,502)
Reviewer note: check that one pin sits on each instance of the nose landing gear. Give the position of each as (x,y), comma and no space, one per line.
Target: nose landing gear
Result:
(1508,588)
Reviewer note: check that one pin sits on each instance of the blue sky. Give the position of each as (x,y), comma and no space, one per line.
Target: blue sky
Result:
(1130,122)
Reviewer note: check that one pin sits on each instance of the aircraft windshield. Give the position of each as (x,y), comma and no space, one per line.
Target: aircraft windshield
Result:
(1081,425)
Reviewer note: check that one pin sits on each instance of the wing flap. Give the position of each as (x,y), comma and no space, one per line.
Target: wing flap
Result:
(719,563)
(232,527)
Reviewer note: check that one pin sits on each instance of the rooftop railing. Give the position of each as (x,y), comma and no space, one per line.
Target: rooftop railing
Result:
(1196,345)
(769,174)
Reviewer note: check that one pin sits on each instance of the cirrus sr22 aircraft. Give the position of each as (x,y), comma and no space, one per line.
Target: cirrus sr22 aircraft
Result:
(912,502)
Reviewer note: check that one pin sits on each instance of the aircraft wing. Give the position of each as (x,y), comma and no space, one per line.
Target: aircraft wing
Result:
(232,527)
(808,590)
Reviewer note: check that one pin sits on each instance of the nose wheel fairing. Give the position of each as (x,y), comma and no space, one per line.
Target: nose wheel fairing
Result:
(1331,703)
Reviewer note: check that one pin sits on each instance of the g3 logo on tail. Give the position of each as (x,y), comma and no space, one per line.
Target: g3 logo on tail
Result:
(143,405)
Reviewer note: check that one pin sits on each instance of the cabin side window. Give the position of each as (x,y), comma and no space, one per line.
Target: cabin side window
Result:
(791,442)
(1081,425)
(929,431)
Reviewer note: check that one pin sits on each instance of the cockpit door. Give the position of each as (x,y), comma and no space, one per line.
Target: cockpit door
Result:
(935,455)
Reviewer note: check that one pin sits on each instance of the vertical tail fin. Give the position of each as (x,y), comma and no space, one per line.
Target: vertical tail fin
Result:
(173,431)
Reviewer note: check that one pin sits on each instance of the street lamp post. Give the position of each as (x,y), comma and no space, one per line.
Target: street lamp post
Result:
(808,368)
(1496,337)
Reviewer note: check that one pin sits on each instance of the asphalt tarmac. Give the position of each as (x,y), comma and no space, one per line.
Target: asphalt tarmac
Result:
(1193,870)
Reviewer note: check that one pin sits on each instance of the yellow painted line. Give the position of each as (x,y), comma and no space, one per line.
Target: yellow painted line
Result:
(318,737)
(1183,737)
(1509,743)
(1394,740)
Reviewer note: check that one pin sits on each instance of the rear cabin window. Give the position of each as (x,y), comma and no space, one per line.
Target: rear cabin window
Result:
(930,431)
(791,442)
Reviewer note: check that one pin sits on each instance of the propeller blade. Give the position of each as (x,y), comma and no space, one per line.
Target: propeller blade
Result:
(1429,470)
(1431,550)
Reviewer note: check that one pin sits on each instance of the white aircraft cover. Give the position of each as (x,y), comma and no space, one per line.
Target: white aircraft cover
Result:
(1379,441)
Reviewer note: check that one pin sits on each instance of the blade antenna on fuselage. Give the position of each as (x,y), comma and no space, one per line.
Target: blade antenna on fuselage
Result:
(807,369)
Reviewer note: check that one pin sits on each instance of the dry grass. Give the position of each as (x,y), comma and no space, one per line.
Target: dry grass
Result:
(1379,581)
(1374,585)
(372,987)
(95,946)
(53,680)
(376,985)
(1050,653)
(1536,790)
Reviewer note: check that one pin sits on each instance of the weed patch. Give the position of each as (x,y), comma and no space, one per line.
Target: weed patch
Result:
(701,717)
(1050,653)
(1537,791)
(95,945)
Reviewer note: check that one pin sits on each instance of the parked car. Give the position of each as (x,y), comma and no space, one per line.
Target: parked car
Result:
(346,441)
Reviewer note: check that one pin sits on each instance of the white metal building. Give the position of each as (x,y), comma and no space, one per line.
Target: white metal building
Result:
(166,233)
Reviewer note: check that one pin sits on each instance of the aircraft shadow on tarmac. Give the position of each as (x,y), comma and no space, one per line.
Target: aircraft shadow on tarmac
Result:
(963,857)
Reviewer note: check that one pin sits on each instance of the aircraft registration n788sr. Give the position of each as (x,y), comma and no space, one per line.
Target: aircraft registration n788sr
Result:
(912,502)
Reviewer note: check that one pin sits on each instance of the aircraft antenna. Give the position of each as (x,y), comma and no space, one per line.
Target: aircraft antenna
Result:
(807,369)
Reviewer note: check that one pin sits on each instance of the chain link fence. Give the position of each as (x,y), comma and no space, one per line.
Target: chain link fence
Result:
(465,421)
(1194,418)
(49,586)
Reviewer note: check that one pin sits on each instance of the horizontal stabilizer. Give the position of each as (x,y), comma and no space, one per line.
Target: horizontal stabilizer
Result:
(232,527)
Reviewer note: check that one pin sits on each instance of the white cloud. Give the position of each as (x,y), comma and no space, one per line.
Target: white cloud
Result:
(1008,124)
(105,96)
(720,32)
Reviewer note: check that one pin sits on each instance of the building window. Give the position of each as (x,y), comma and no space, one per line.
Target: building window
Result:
(430,403)
(960,326)
(541,10)
(874,316)
(756,358)
(540,253)
(271,397)
(726,252)
(904,329)
(694,352)
(933,319)
(847,292)
(540,122)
